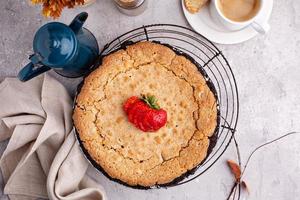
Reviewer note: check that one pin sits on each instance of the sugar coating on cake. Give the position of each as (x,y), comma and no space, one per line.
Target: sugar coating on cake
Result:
(127,153)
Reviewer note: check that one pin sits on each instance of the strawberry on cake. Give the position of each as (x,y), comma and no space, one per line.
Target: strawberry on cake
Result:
(146,115)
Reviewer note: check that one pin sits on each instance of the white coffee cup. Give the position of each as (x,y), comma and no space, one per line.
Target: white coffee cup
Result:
(257,24)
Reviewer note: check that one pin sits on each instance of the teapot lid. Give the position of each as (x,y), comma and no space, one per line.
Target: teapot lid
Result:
(55,43)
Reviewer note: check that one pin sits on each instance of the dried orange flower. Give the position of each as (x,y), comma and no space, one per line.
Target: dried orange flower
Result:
(53,8)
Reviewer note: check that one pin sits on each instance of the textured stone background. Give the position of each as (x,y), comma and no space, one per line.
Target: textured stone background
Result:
(267,69)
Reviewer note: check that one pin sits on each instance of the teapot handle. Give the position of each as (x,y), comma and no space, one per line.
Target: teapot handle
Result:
(78,21)
(30,71)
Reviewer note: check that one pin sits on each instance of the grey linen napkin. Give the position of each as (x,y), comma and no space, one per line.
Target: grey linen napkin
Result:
(42,158)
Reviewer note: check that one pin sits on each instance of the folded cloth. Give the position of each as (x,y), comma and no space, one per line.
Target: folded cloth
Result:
(42,158)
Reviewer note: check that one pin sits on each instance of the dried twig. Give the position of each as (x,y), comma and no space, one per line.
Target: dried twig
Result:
(236,168)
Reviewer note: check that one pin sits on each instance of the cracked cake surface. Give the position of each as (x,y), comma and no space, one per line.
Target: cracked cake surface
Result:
(127,153)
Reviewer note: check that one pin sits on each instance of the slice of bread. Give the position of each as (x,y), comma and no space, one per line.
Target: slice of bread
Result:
(194,6)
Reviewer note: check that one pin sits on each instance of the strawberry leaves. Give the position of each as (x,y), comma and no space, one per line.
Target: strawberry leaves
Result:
(151,101)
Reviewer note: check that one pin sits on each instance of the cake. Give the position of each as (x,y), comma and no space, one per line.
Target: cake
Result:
(126,153)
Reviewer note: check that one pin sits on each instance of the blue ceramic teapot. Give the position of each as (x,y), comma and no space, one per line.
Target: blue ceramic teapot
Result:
(69,50)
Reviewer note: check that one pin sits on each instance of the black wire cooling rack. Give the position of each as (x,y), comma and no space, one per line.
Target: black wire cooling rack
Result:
(211,63)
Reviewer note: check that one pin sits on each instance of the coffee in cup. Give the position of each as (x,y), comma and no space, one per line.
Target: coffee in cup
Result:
(237,14)
(239,10)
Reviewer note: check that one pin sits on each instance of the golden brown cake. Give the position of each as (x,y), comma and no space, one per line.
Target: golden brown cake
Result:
(127,153)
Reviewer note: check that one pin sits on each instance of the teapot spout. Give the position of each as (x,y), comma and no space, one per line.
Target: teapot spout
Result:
(78,21)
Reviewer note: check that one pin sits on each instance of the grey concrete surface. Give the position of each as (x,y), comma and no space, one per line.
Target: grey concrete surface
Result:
(267,69)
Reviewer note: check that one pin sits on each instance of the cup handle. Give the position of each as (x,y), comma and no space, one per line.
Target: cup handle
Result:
(261,28)
(30,71)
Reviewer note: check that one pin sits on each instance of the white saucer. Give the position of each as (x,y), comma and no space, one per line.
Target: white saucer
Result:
(204,24)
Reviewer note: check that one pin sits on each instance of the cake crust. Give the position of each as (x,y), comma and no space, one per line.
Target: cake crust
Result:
(125,152)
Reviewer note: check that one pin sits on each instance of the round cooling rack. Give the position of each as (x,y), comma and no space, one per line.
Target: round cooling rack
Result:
(215,68)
